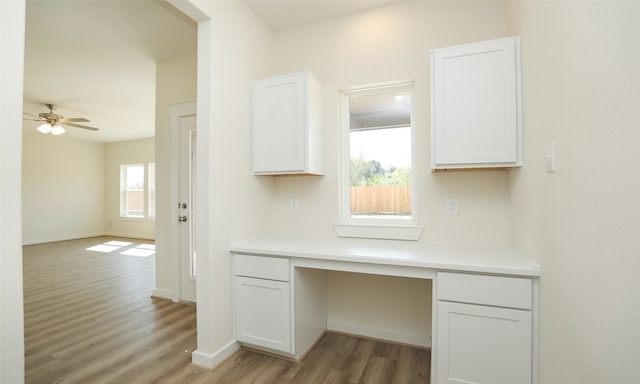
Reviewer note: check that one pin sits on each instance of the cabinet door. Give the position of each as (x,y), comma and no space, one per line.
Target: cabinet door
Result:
(263,316)
(475,105)
(279,125)
(481,344)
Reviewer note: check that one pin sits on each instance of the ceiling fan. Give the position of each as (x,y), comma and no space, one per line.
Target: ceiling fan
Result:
(52,121)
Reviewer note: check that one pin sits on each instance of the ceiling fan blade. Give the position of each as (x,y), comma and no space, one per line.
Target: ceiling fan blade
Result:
(73,120)
(80,126)
(29,114)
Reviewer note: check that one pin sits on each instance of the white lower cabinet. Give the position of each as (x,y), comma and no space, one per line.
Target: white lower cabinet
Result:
(263,302)
(483,328)
(484,342)
(480,344)
(263,313)
(278,308)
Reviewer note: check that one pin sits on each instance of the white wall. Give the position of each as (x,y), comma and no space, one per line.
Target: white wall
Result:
(234,48)
(116,154)
(581,224)
(71,188)
(62,188)
(175,81)
(391,43)
(12,16)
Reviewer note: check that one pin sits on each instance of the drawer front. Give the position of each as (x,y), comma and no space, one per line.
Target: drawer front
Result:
(510,292)
(262,267)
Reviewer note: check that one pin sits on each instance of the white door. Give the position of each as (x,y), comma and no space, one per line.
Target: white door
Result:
(186,208)
(183,170)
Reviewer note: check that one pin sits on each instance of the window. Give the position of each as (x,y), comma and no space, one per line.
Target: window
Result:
(133,190)
(376,157)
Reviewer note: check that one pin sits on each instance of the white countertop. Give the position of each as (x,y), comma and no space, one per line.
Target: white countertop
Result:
(495,259)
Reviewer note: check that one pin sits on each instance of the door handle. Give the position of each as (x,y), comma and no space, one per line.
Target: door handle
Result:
(182,219)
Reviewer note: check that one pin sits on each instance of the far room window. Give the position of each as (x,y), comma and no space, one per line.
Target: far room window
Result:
(377,155)
(132,190)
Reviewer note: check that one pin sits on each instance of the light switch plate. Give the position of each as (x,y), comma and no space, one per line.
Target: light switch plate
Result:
(294,204)
(551,156)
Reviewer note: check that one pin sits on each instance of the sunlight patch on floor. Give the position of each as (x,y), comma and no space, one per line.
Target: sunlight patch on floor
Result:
(118,243)
(140,250)
(103,248)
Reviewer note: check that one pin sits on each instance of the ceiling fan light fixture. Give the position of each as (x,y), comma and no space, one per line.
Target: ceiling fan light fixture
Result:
(45,128)
(57,130)
(50,121)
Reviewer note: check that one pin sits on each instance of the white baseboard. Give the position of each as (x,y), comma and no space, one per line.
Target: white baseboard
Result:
(380,334)
(61,238)
(131,236)
(212,360)
(84,236)
(163,293)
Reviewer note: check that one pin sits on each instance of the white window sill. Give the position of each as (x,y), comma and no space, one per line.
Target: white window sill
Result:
(375,231)
(132,218)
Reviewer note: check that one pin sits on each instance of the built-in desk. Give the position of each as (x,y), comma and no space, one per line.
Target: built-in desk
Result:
(484,299)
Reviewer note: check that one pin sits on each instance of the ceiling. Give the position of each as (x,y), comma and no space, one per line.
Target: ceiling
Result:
(96,59)
(389,109)
(285,14)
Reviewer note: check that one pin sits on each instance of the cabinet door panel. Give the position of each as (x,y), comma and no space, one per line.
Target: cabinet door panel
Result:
(279,125)
(263,316)
(480,344)
(475,104)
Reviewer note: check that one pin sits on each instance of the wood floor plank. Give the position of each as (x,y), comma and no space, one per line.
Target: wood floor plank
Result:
(89,318)
(379,370)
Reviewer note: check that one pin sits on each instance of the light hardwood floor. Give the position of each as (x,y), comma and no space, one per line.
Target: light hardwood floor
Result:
(89,318)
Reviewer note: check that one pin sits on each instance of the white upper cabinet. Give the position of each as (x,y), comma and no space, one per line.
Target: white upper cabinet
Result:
(287,125)
(475,105)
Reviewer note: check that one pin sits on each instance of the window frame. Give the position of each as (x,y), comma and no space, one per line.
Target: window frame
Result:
(124,190)
(373,227)
(148,192)
(151,191)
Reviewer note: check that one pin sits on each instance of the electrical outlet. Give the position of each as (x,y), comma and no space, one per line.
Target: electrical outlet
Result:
(294,204)
(452,206)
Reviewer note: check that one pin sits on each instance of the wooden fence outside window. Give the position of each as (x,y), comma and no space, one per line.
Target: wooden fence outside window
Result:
(135,203)
(381,200)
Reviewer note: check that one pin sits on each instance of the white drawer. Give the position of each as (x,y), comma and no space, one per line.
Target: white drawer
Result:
(510,292)
(262,267)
